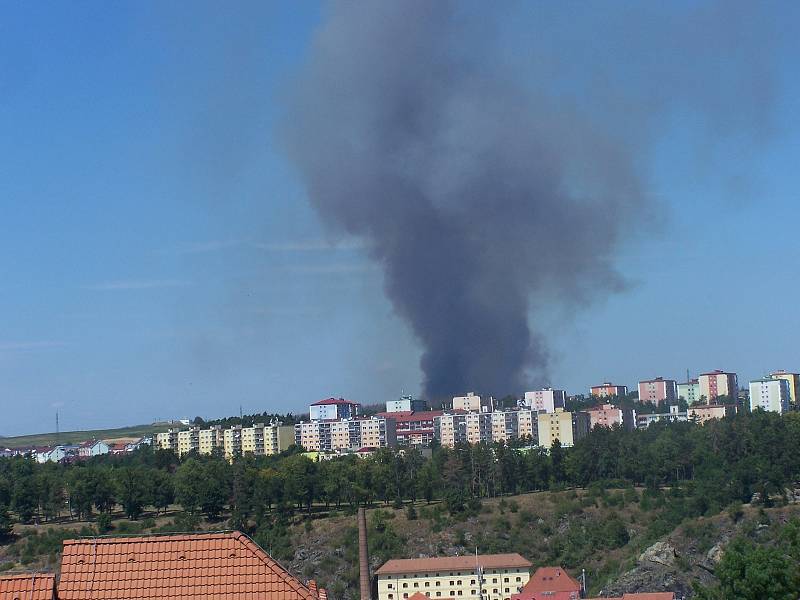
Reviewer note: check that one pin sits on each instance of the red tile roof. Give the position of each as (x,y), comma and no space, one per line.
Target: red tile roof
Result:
(209,566)
(30,586)
(333,401)
(454,563)
(549,579)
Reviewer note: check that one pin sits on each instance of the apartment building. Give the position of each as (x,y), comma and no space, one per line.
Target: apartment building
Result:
(544,400)
(481,577)
(232,441)
(658,390)
(473,403)
(415,429)
(406,404)
(333,408)
(346,434)
(718,383)
(770,395)
(188,441)
(794,384)
(486,427)
(689,391)
(608,389)
(707,412)
(168,440)
(210,439)
(608,415)
(566,427)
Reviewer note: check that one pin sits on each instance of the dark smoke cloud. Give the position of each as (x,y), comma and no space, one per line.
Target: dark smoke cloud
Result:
(478,189)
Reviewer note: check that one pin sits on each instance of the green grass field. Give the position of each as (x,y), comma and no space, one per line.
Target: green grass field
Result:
(74,437)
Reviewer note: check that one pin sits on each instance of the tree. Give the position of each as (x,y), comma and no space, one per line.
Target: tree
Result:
(6,524)
(133,489)
(750,572)
(187,485)
(163,490)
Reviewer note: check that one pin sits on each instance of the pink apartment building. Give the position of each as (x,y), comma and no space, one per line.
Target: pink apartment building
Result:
(718,383)
(608,415)
(658,390)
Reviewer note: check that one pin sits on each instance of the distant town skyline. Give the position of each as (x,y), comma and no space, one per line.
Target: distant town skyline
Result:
(160,258)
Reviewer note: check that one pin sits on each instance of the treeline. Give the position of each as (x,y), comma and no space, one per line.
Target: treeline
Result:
(249,420)
(702,469)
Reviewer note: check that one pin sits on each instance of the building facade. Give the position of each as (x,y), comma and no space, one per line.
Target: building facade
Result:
(658,390)
(674,415)
(333,408)
(608,415)
(481,577)
(545,400)
(346,434)
(770,395)
(406,404)
(608,389)
(566,427)
(707,412)
(414,429)
(486,427)
(473,403)
(794,384)
(717,384)
(689,391)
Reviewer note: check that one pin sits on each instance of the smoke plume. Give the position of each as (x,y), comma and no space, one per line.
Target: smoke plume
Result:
(480,190)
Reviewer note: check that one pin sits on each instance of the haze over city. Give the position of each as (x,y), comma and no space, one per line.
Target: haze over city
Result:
(169,247)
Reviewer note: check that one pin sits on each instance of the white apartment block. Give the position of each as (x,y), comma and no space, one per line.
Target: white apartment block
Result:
(469,577)
(770,394)
(346,434)
(545,400)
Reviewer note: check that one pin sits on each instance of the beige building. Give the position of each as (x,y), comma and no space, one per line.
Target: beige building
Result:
(168,440)
(716,384)
(188,441)
(705,412)
(566,427)
(470,403)
(794,384)
(211,439)
(482,577)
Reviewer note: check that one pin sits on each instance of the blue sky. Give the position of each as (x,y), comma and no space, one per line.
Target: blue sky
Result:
(159,259)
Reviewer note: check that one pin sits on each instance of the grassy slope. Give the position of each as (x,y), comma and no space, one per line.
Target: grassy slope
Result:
(74,437)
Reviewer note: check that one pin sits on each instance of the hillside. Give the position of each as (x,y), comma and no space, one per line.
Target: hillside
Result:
(74,437)
(609,533)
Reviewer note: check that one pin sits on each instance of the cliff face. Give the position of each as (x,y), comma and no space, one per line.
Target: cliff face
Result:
(547,529)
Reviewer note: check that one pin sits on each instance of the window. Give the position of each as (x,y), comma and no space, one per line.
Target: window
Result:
(519,578)
(452,582)
(459,582)
(405,584)
(391,596)
(390,585)
(460,593)
(472,582)
(405,595)
(416,584)
(438,594)
(427,584)
(505,579)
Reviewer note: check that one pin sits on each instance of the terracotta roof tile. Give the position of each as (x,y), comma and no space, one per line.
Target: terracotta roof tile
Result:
(549,579)
(487,561)
(29,586)
(213,566)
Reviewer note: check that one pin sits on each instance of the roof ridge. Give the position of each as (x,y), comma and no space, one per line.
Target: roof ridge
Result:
(271,562)
(138,537)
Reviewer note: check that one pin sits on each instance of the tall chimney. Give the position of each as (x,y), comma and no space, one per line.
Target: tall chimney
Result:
(363,555)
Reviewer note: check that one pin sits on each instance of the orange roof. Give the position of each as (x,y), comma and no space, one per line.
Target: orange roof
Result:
(213,566)
(454,563)
(30,586)
(550,579)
